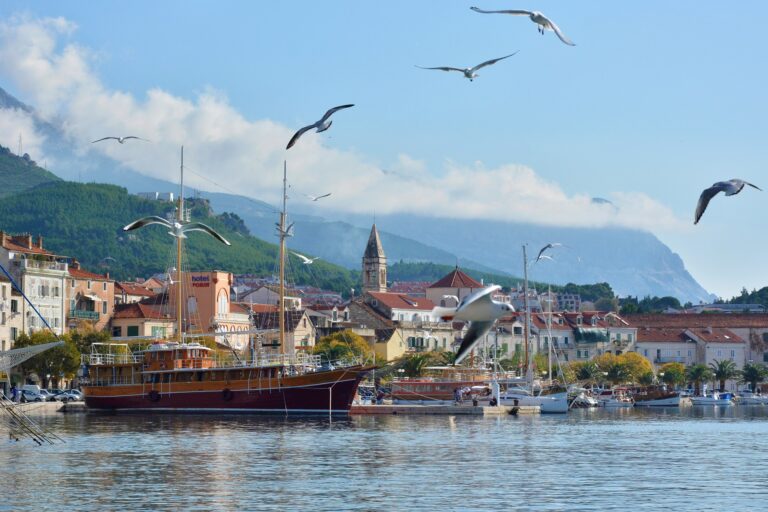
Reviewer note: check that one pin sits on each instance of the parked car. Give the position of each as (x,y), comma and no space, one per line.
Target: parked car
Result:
(47,395)
(27,395)
(70,395)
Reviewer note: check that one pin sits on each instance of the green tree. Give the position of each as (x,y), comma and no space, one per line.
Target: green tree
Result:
(59,361)
(724,370)
(587,372)
(636,365)
(672,374)
(697,374)
(343,345)
(646,379)
(414,364)
(753,373)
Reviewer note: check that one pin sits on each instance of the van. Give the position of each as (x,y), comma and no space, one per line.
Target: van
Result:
(34,388)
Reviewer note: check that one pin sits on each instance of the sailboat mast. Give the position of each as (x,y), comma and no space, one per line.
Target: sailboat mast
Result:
(526,333)
(179,282)
(283,234)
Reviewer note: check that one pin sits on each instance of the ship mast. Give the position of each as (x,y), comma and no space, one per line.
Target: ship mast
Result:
(526,333)
(283,235)
(179,284)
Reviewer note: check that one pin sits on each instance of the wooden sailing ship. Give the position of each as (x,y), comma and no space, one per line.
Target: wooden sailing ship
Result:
(181,376)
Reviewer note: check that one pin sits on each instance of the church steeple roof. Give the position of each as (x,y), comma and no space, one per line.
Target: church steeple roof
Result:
(374,249)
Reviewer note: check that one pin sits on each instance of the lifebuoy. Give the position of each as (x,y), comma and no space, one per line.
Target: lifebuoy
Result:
(153,396)
(227,394)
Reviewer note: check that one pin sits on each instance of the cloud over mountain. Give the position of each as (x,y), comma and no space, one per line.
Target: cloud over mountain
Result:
(41,58)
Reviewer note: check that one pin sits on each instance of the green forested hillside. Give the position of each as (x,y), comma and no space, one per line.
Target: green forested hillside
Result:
(20,173)
(85,221)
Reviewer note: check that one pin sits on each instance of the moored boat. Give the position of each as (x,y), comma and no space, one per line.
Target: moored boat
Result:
(715,398)
(186,377)
(615,397)
(656,396)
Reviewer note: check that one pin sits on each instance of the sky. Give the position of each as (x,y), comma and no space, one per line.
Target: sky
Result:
(657,101)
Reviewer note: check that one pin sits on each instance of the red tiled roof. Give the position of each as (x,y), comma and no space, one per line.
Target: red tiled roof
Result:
(79,273)
(256,308)
(716,335)
(456,279)
(402,301)
(684,321)
(138,310)
(662,335)
(133,289)
(12,243)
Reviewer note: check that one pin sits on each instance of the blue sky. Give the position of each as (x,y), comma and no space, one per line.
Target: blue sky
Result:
(656,102)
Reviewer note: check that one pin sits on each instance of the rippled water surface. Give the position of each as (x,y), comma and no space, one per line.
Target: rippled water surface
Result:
(687,459)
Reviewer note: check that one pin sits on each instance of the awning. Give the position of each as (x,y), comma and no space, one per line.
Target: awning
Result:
(94,298)
(591,334)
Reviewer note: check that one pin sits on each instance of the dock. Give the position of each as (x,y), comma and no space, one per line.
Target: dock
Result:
(501,410)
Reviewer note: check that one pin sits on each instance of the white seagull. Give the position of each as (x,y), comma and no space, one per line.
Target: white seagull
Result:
(480,311)
(121,140)
(538,18)
(177,228)
(305,260)
(548,246)
(470,72)
(730,187)
(315,198)
(323,124)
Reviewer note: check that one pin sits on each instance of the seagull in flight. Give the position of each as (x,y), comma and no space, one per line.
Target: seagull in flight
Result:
(538,18)
(315,198)
(548,246)
(730,187)
(470,72)
(121,140)
(177,229)
(480,311)
(305,260)
(323,124)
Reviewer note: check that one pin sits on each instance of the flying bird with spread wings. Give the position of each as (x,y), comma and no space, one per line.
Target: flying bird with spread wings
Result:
(545,248)
(543,23)
(177,229)
(470,73)
(323,124)
(730,187)
(121,140)
(481,311)
(305,260)
(315,198)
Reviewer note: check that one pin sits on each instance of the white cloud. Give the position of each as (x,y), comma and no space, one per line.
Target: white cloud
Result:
(15,123)
(246,156)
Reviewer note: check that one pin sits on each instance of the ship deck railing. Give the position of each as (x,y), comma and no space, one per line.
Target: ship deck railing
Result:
(109,359)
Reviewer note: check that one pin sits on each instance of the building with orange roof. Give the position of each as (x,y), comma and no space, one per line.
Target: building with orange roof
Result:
(136,319)
(90,298)
(455,284)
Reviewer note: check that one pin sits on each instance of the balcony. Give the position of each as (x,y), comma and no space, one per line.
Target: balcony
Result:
(669,359)
(42,265)
(82,314)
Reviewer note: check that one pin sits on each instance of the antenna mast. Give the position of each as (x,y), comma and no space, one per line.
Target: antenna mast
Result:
(283,236)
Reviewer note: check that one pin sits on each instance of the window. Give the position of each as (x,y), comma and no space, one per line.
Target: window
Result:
(3,321)
(645,352)
(578,320)
(14,333)
(104,308)
(719,353)
(158,332)
(565,340)
(566,356)
(733,352)
(133,330)
(578,354)
(117,331)
(89,284)
(586,354)
(104,286)
(618,336)
(72,304)
(72,283)
(629,338)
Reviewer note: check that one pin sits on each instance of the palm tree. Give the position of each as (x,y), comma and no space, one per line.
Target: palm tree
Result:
(753,373)
(414,364)
(618,373)
(589,373)
(697,374)
(724,370)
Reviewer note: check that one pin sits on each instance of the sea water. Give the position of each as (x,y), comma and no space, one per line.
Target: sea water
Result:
(689,458)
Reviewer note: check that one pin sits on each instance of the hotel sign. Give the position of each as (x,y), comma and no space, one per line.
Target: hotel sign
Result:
(201,281)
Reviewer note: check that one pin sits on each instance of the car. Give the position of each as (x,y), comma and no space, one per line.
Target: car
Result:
(47,395)
(27,395)
(70,395)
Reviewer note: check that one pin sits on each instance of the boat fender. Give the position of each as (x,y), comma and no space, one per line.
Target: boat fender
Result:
(153,396)
(227,394)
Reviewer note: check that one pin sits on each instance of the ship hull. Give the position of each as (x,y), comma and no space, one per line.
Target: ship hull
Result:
(316,393)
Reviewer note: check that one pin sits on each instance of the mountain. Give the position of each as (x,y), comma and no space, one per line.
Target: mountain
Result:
(21,173)
(633,262)
(84,221)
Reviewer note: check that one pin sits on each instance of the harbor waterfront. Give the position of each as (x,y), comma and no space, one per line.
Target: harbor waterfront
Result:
(590,459)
